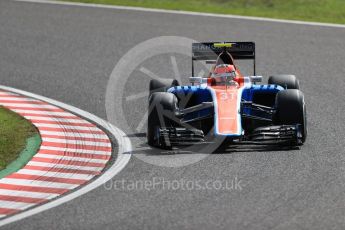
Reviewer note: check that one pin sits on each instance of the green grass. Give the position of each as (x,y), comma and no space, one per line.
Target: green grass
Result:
(14,132)
(332,11)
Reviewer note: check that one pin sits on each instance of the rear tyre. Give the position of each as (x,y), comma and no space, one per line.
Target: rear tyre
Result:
(291,110)
(162,108)
(162,85)
(285,81)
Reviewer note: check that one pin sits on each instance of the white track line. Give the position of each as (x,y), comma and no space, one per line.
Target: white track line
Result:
(67,158)
(77,142)
(123,157)
(15,205)
(37,183)
(11,98)
(75,150)
(54,174)
(69,134)
(6,94)
(57,119)
(64,166)
(185,13)
(74,127)
(39,195)
(37,106)
(51,113)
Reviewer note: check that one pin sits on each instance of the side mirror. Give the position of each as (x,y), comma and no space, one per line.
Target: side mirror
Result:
(196,80)
(255,79)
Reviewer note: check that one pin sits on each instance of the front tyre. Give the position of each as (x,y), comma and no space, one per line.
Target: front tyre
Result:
(291,110)
(162,111)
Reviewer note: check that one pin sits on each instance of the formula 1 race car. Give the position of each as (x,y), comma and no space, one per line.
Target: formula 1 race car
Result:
(226,104)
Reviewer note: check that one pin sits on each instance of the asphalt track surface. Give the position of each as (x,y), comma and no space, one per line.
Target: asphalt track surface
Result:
(67,53)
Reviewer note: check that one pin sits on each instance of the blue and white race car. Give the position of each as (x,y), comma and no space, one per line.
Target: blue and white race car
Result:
(226,104)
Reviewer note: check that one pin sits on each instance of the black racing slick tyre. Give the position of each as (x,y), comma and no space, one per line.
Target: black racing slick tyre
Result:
(162,85)
(162,110)
(285,81)
(291,110)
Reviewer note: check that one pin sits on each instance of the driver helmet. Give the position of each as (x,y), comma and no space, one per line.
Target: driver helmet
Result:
(224,71)
(225,74)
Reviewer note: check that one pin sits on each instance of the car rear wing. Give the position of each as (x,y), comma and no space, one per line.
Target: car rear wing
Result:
(209,51)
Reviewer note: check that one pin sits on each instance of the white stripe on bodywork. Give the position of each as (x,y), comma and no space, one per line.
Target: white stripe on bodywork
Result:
(247,84)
